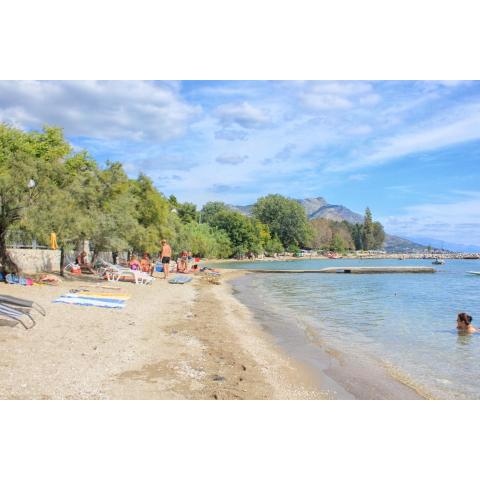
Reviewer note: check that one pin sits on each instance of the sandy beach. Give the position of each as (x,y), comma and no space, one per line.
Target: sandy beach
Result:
(193,341)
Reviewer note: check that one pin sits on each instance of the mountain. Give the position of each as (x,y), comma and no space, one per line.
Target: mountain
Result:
(318,207)
(440,244)
(313,205)
(315,208)
(245,209)
(400,245)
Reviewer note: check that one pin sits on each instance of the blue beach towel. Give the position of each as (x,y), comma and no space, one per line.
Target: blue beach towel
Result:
(180,280)
(17,280)
(90,302)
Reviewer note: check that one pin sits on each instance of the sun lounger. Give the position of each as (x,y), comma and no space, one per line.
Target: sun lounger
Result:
(17,308)
(115,273)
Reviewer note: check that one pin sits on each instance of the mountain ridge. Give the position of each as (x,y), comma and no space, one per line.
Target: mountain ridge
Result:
(318,207)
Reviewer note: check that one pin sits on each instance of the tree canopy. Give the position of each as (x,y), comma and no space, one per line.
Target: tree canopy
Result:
(285,218)
(46,186)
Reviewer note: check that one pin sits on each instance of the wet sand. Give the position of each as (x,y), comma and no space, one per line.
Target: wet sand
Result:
(192,341)
(340,375)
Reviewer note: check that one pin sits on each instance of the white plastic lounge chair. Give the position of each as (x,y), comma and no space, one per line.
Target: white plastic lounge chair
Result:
(116,272)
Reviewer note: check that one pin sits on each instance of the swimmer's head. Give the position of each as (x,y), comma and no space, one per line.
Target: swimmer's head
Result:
(463,320)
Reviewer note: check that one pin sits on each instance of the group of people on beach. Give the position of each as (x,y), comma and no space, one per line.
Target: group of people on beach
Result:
(146,264)
(183,264)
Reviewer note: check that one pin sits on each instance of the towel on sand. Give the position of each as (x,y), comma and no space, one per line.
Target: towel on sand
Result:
(90,302)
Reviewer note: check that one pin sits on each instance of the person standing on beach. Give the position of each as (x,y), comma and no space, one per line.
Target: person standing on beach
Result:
(165,256)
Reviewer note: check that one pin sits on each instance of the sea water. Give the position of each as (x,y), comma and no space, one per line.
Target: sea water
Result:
(406,321)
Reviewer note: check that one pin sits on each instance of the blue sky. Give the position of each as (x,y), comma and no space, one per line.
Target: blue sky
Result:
(409,150)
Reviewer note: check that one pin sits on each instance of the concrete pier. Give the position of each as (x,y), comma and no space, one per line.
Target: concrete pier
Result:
(357,270)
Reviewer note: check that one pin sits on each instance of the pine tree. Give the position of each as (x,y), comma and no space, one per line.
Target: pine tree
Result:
(368,231)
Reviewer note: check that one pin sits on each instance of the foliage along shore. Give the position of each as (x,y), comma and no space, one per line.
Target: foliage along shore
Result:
(46,186)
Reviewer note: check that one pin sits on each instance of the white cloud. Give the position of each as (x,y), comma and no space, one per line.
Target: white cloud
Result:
(231,134)
(136,110)
(325,102)
(454,222)
(338,95)
(231,159)
(369,100)
(242,114)
(455,127)
(453,83)
(342,88)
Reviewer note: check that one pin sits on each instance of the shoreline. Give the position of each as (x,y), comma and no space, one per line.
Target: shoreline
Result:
(339,375)
(192,341)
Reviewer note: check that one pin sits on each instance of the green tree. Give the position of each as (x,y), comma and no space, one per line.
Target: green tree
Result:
(35,190)
(152,212)
(378,235)
(357,235)
(172,200)
(116,225)
(325,230)
(273,245)
(337,244)
(202,240)
(285,218)
(187,212)
(240,230)
(210,209)
(368,238)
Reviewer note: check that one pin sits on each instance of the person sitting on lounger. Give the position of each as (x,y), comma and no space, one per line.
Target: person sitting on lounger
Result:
(84,264)
(464,324)
(146,264)
(181,264)
(134,264)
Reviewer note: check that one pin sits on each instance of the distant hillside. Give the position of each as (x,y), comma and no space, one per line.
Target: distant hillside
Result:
(400,245)
(313,205)
(318,207)
(315,208)
(246,210)
(440,244)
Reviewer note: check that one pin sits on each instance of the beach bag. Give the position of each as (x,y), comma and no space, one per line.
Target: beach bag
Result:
(159,267)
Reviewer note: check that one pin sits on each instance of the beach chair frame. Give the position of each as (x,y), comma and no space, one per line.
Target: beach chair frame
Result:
(114,273)
(16,308)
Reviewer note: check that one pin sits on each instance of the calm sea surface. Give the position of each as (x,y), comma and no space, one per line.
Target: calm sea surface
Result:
(404,320)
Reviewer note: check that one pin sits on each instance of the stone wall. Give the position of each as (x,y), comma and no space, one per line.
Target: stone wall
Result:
(31,260)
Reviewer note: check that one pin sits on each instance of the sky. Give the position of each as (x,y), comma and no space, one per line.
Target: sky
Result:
(408,150)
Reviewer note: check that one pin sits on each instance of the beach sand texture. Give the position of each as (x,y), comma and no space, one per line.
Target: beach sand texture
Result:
(193,341)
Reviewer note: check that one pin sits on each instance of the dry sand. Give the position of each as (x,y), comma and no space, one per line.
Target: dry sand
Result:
(192,341)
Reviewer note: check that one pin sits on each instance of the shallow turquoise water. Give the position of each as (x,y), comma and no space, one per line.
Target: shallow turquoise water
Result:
(406,320)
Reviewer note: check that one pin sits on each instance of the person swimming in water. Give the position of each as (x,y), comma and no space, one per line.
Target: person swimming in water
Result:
(464,323)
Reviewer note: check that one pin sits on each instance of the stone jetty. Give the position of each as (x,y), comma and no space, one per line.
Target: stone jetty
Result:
(356,270)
